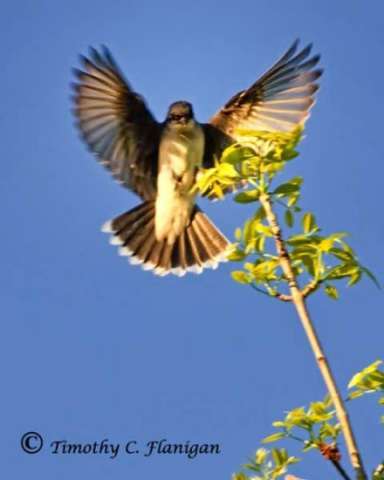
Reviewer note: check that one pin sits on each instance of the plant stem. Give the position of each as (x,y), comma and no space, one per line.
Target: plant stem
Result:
(340,469)
(299,301)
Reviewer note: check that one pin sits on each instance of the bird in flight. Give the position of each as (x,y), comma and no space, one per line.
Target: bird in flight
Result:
(160,161)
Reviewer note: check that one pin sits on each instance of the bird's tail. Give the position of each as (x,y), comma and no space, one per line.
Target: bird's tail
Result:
(201,245)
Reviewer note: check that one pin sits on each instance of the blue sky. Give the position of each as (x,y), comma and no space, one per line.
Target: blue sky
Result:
(94,348)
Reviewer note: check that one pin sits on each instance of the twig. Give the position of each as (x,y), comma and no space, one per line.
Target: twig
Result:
(332,453)
(260,290)
(299,301)
(341,470)
(307,290)
(311,287)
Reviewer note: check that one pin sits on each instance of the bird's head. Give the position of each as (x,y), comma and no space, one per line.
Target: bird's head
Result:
(180,114)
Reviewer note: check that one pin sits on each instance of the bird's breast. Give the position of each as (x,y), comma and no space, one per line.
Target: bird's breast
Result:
(181,150)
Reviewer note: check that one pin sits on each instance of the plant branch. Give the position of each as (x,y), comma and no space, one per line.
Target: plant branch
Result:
(307,290)
(311,287)
(341,470)
(260,290)
(298,300)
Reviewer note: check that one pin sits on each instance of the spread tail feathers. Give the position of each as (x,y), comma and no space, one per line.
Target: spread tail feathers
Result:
(201,245)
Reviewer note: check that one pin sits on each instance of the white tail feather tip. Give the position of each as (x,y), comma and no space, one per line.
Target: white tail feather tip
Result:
(124,252)
(107,227)
(195,269)
(135,261)
(180,272)
(212,263)
(116,240)
(148,266)
(161,272)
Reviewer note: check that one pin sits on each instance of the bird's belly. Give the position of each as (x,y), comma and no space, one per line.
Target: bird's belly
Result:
(179,158)
(173,210)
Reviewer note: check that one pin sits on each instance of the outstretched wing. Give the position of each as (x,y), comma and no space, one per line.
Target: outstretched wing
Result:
(116,124)
(278,102)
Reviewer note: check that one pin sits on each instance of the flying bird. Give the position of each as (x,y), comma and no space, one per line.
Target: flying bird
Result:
(160,161)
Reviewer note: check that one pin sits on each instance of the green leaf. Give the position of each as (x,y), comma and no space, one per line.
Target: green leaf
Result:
(358,377)
(237,255)
(240,476)
(247,231)
(241,277)
(299,418)
(308,222)
(355,276)
(292,460)
(238,234)
(235,154)
(293,199)
(326,244)
(331,291)
(318,408)
(261,455)
(283,455)
(303,239)
(309,446)
(288,188)
(278,424)
(248,196)
(309,263)
(371,276)
(289,218)
(260,243)
(263,229)
(260,214)
(274,437)
(328,403)
(355,394)
(278,458)
(328,431)
(227,170)
(304,248)
(341,271)
(263,271)
(341,254)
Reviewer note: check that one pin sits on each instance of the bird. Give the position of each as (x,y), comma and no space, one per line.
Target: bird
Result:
(161,161)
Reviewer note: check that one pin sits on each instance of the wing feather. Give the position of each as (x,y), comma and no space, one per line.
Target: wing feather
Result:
(280,100)
(116,124)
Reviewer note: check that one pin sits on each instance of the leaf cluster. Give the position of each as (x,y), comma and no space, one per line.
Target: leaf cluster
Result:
(369,380)
(317,259)
(267,465)
(244,163)
(318,423)
(314,427)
